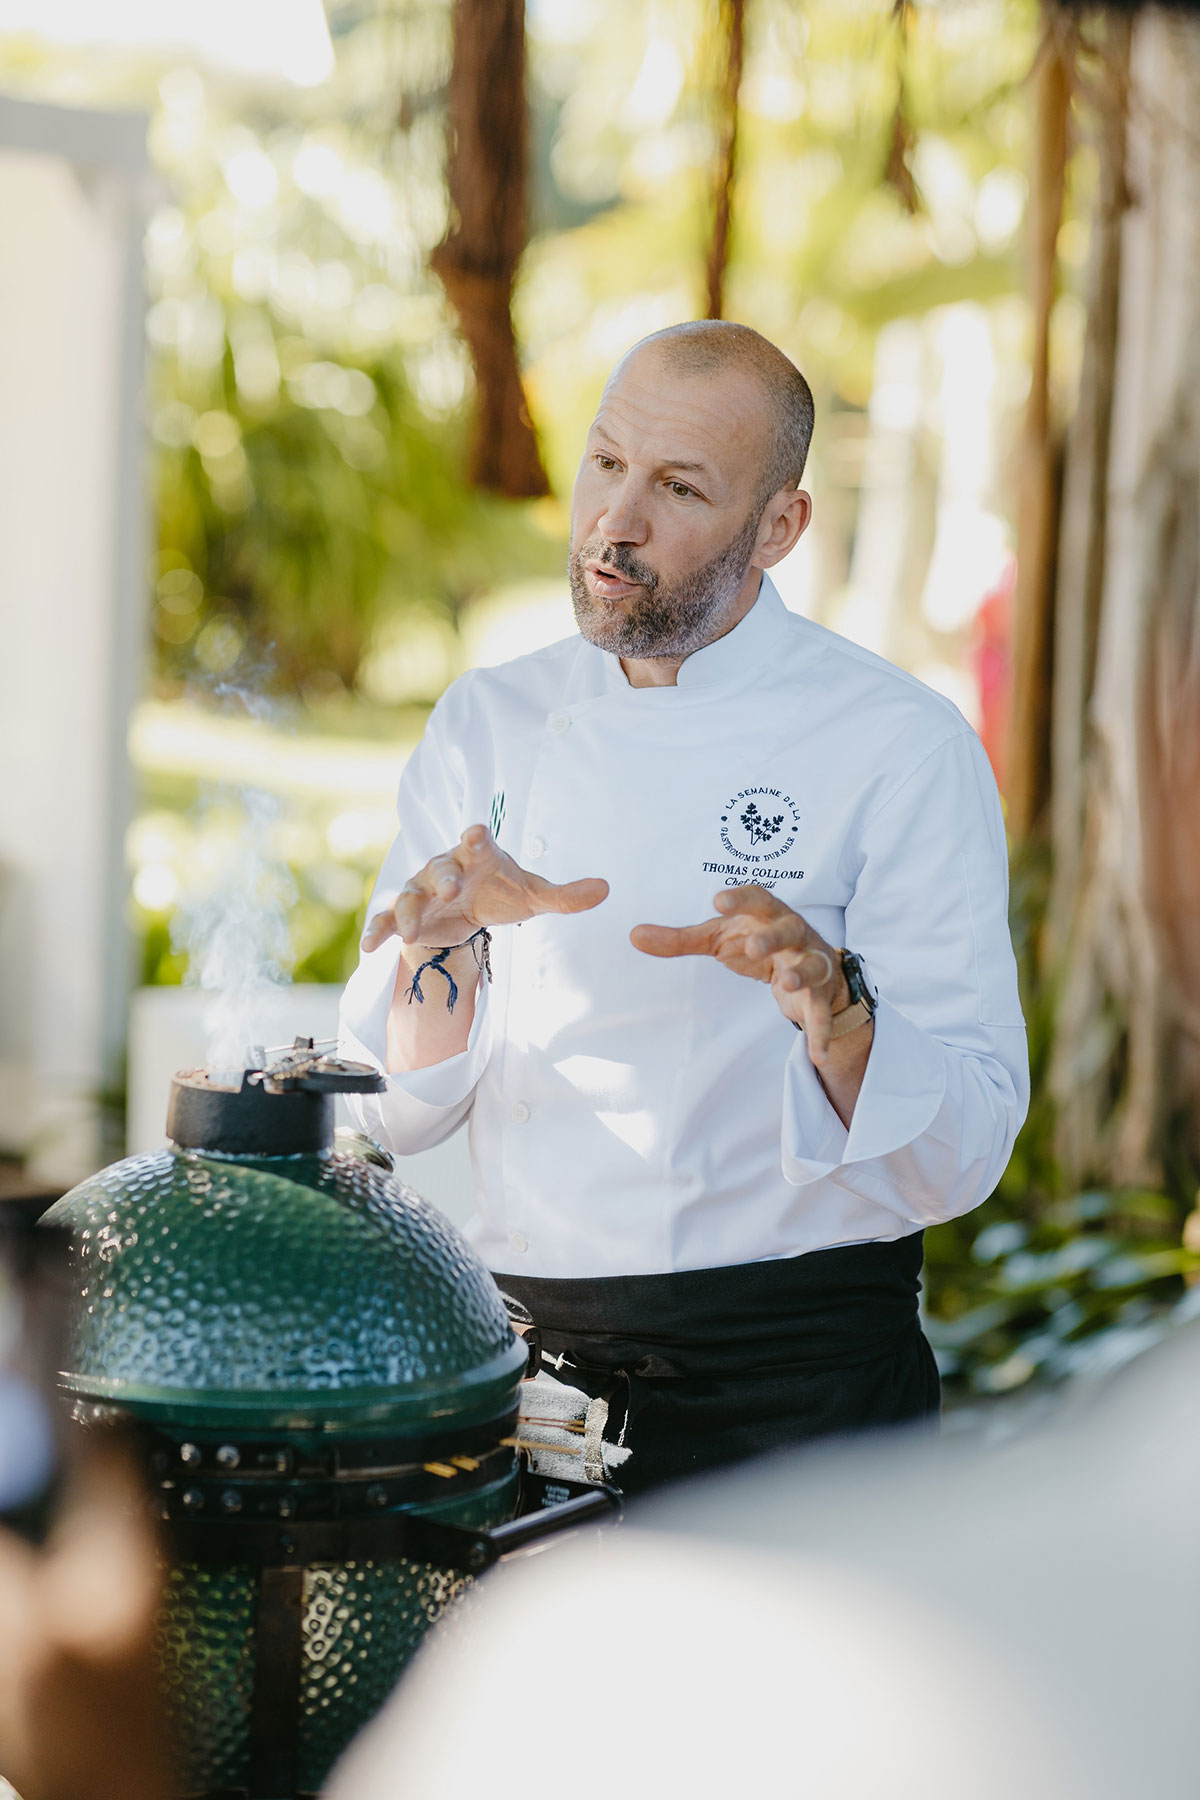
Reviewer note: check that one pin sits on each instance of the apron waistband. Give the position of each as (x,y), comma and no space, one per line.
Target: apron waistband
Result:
(832,1307)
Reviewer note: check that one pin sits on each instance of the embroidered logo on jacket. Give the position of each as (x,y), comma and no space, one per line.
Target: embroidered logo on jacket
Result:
(761,829)
(758,828)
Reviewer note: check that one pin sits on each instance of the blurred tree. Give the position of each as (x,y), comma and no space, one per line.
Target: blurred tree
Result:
(898,173)
(1127,1056)
(1080,574)
(733,42)
(1037,498)
(477,259)
(308,390)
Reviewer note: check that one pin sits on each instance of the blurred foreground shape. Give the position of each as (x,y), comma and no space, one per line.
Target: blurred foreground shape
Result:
(887,1618)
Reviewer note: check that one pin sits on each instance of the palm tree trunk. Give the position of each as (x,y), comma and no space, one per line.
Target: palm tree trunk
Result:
(1037,505)
(733,39)
(477,260)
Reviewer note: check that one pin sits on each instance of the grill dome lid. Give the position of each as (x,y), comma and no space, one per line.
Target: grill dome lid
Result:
(310,1291)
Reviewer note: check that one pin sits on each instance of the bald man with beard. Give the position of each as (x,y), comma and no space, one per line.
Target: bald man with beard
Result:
(697,920)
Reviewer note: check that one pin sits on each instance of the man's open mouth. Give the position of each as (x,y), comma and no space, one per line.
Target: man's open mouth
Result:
(606,583)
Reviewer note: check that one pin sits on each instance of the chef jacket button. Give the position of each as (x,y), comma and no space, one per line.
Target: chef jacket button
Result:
(519,1242)
(520,1112)
(559,722)
(537,847)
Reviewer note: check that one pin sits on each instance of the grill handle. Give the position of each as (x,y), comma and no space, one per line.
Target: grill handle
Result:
(563,1515)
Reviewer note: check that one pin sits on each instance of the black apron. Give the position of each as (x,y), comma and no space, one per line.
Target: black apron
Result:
(709,1366)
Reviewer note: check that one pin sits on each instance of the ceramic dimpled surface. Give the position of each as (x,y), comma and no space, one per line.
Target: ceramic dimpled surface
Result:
(362,1623)
(204,1647)
(293,1276)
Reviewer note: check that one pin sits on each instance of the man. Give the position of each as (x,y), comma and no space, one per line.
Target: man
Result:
(704,1140)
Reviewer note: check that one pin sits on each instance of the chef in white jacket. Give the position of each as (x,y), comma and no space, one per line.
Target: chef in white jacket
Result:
(698,920)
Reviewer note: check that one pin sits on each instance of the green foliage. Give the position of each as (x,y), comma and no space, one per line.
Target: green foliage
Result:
(1013,1300)
(161,964)
(309,393)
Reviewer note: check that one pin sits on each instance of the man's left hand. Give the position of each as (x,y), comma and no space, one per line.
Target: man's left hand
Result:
(759,936)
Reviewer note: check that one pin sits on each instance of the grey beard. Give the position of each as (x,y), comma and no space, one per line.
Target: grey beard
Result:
(662,621)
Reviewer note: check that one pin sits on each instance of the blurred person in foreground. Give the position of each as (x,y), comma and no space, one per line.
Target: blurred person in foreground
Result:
(1035,1636)
(706,1129)
(80,1710)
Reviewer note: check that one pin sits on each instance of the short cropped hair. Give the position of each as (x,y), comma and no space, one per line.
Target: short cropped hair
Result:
(703,346)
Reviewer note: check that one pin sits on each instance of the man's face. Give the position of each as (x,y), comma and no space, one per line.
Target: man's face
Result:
(663,519)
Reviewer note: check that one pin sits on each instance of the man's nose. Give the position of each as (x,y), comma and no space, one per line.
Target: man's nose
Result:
(623,520)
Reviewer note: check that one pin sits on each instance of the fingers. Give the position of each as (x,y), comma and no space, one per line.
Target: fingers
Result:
(810,967)
(410,906)
(477,839)
(794,946)
(806,1008)
(440,880)
(442,876)
(777,927)
(378,931)
(672,940)
(572,896)
(750,899)
(788,933)
(408,909)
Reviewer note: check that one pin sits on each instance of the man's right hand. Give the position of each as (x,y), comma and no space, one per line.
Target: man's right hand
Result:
(476,884)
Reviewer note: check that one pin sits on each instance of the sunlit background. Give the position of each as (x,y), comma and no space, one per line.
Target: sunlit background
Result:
(242,200)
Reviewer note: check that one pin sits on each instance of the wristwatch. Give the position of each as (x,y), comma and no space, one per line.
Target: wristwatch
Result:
(861,1006)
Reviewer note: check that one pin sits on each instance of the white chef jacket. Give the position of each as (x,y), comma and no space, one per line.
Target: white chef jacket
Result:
(631,1115)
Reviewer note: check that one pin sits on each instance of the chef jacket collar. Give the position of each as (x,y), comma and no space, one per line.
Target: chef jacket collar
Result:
(728,662)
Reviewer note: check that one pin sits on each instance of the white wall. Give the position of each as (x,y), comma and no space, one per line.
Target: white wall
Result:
(72,574)
(167,1032)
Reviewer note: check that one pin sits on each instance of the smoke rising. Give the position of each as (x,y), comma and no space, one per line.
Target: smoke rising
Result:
(232,921)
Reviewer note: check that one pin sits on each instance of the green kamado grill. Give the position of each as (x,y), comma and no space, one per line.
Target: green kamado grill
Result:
(324,1381)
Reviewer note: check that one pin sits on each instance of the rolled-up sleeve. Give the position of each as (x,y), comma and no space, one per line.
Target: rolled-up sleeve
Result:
(947,1081)
(420,1107)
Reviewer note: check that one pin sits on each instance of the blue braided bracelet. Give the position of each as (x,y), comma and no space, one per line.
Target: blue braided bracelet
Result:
(483,961)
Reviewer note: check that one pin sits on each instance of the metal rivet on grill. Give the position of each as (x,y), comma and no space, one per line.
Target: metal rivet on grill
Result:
(377,1494)
(191,1455)
(229,1456)
(286,1507)
(231,1501)
(193,1499)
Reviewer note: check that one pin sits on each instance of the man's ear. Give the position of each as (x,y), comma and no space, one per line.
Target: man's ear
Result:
(784,521)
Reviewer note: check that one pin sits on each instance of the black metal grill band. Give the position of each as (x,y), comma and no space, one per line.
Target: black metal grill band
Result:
(388,1537)
(281,1453)
(255,1498)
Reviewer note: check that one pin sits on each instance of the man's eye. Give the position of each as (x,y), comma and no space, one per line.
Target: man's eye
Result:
(681,490)
(606,462)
